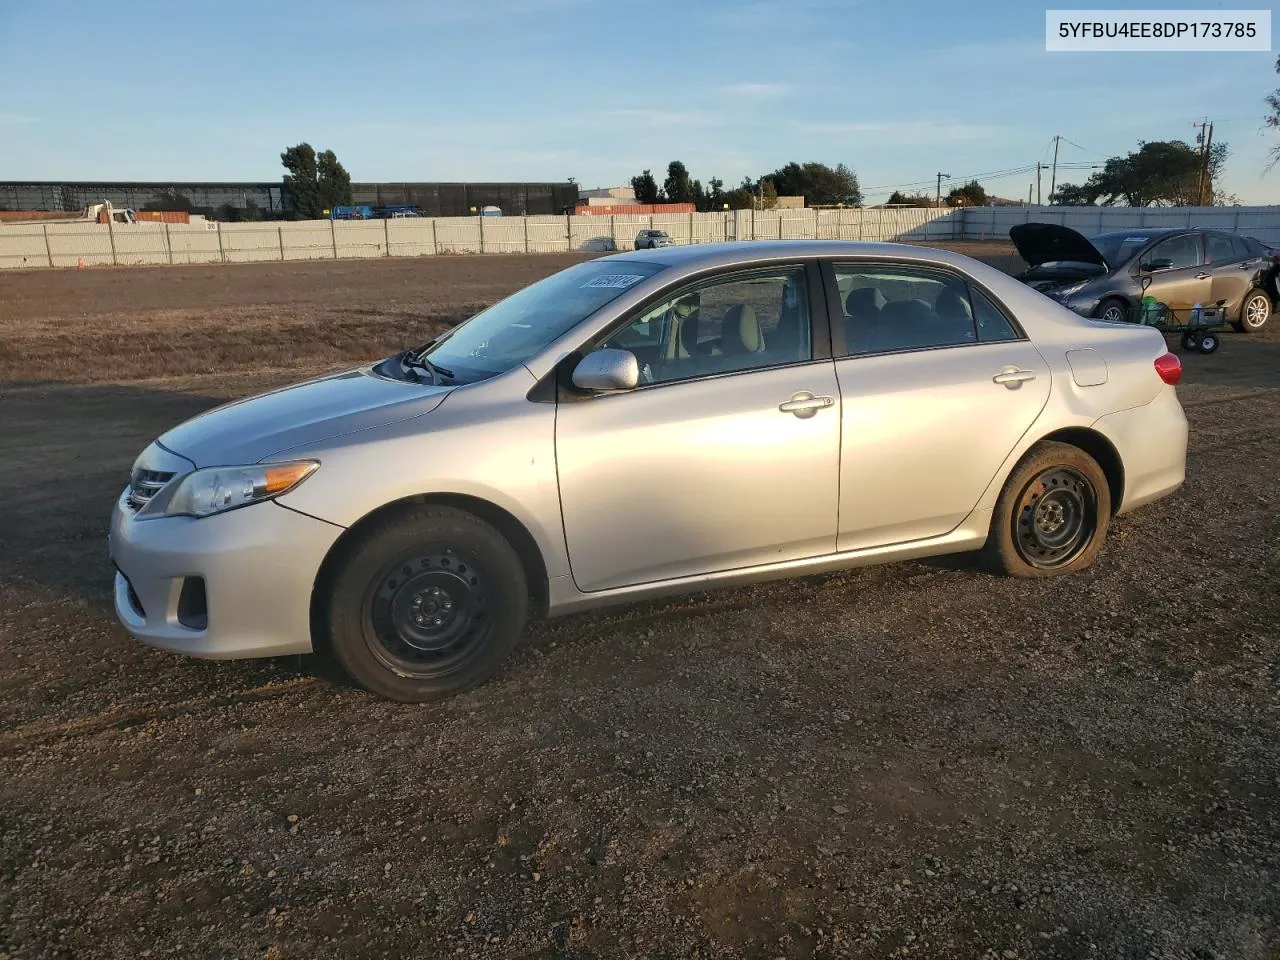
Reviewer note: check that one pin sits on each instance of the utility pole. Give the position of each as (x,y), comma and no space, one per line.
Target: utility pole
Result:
(1206,182)
(1053,179)
(1028,194)
(1204,159)
(940,176)
(1037,183)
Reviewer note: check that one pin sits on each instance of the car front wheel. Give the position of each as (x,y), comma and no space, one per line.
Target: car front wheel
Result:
(1113,311)
(423,603)
(1052,515)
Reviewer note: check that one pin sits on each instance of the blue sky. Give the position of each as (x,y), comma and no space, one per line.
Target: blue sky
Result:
(549,89)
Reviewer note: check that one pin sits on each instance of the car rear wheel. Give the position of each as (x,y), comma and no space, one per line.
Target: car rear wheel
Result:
(1113,311)
(1254,312)
(424,603)
(1052,515)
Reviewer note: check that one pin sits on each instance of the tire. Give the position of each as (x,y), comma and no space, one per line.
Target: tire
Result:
(1052,516)
(1112,310)
(426,602)
(1255,311)
(1190,341)
(1209,342)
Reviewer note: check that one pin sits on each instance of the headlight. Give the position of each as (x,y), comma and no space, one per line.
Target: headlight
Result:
(218,489)
(1070,289)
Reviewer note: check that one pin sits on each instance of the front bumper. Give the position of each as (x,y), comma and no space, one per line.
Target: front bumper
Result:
(258,565)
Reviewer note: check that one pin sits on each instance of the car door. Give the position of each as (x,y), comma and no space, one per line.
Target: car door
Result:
(727,453)
(937,386)
(1184,281)
(1232,268)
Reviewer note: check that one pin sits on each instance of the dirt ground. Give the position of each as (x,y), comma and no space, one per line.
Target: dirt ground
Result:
(913,760)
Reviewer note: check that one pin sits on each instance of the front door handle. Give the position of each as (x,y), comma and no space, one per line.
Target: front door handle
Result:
(804,404)
(1013,378)
(1202,276)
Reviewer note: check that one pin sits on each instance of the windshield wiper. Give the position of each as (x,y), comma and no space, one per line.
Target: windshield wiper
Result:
(416,360)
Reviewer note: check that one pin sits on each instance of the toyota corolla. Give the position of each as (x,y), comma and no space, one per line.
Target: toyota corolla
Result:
(638,425)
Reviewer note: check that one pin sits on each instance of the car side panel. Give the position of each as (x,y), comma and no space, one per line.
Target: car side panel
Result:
(488,441)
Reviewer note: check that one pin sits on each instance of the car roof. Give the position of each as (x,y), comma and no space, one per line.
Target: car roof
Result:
(697,255)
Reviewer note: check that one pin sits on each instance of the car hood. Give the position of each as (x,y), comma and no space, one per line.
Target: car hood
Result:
(249,430)
(1039,243)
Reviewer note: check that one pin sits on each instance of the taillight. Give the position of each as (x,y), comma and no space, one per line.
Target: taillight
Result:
(1170,368)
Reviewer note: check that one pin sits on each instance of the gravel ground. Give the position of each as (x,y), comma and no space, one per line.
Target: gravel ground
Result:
(913,760)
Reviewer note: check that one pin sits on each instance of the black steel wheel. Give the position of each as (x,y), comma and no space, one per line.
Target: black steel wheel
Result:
(1056,515)
(423,602)
(425,613)
(1052,515)
(1209,342)
(1190,341)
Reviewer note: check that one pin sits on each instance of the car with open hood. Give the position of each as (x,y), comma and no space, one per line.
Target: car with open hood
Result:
(638,425)
(1107,275)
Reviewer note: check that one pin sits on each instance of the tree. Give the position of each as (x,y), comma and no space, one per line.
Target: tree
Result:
(333,181)
(714,198)
(645,188)
(742,197)
(768,195)
(1273,118)
(972,194)
(301,183)
(1161,172)
(1072,195)
(677,188)
(818,183)
(898,198)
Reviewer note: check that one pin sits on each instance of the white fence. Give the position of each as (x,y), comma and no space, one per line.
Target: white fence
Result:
(72,244)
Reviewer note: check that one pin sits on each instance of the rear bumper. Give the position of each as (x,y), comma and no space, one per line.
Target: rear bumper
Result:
(257,566)
(1152,443)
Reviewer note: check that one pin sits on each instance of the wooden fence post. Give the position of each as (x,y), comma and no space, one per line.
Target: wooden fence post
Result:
(222,256)
(333,238)
(386,236)
(280,234)
(168,242)
(48,251)
(568,232)
(525,221)
(481,219)
(111,234)
(435,244)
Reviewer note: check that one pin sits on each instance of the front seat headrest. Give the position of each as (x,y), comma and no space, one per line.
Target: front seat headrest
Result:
(740,331)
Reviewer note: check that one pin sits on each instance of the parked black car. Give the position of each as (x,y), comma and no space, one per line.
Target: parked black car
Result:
(1103,276)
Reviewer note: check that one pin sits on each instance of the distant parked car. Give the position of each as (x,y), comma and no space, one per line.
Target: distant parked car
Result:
(1103,276)
(639,425)
(648,239)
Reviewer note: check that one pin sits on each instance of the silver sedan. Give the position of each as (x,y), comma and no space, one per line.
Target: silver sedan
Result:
(639,425)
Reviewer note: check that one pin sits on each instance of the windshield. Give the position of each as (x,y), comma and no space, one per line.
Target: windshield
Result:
(517,328)
(1118,248)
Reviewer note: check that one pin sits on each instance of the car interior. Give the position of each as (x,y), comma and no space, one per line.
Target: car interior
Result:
(722,328)
(890,311)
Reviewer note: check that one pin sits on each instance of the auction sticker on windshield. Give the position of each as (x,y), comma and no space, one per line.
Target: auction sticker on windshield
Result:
(615,280)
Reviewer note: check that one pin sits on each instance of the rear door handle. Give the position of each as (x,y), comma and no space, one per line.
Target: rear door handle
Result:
(1013,378)
(1202,276)
(804,404)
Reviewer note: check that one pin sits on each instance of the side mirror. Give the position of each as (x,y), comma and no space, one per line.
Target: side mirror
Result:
(1160,264)
(607,369)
